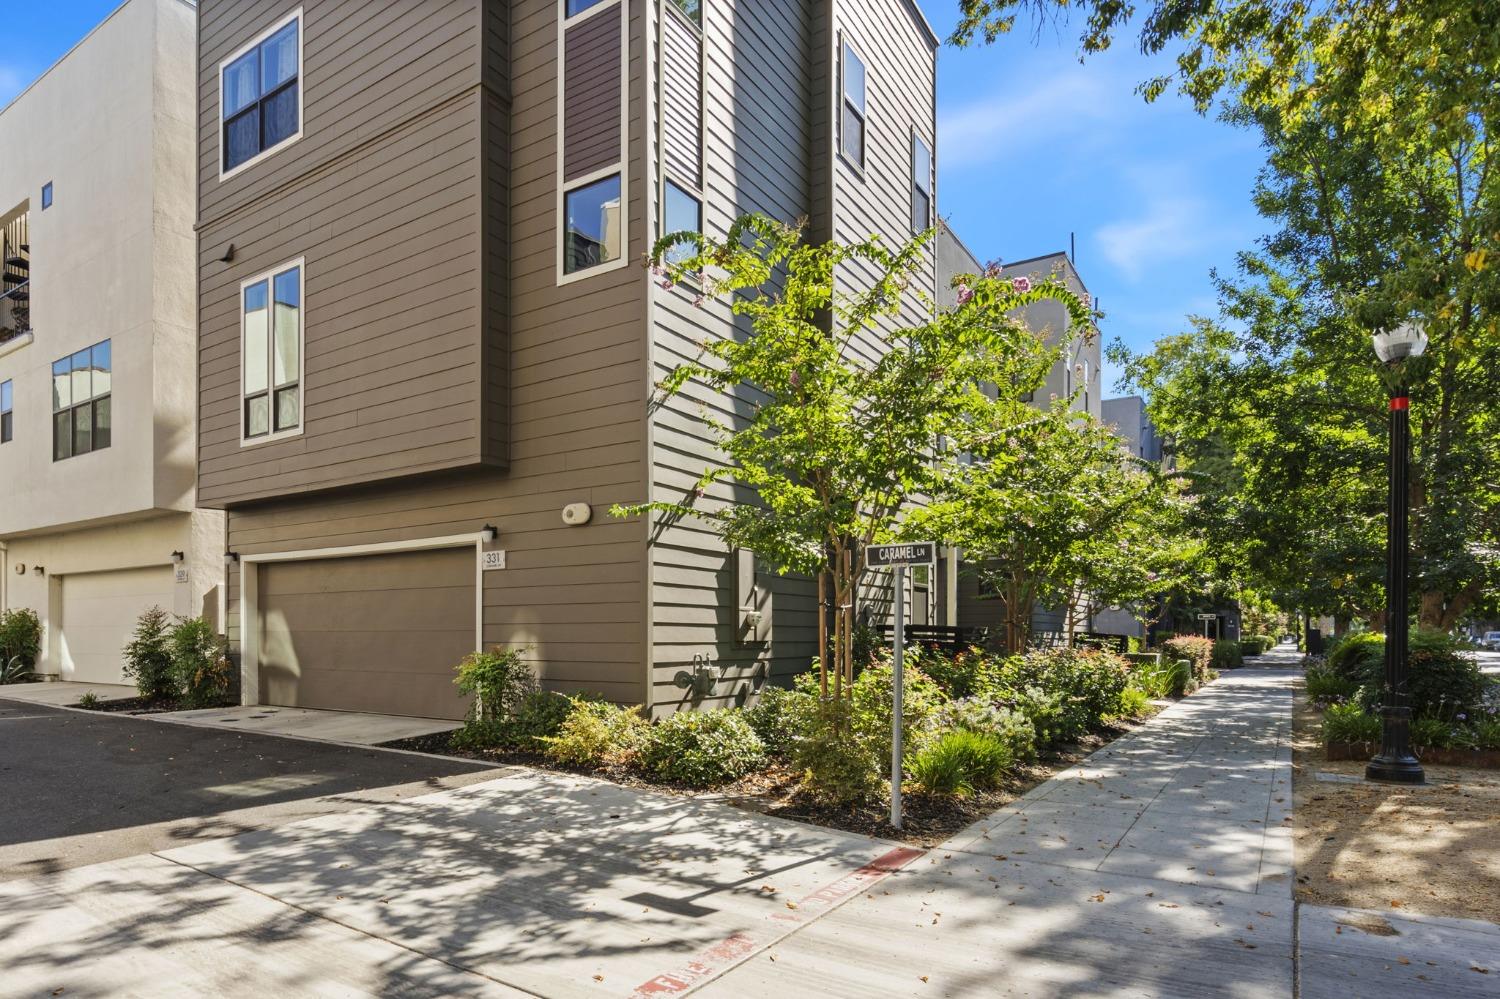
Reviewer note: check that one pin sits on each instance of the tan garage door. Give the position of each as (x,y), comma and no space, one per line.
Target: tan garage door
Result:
(99,612)
(375,633)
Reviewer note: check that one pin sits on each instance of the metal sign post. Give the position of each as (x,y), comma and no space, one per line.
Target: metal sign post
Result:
(899,557)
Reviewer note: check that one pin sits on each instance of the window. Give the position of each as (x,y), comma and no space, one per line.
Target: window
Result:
(7,417)
(47,195)
(81,420)
(852,119)
(271,362)
(921,184)
(576,7)
(593,225)
(682,212)
(691,9)
(260,95)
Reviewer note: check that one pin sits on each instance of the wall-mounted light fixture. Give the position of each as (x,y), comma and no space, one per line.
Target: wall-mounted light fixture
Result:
(489,533)
(39,570)
(20,568)
(177,558)
(228,256)
(577,514)
(230,558)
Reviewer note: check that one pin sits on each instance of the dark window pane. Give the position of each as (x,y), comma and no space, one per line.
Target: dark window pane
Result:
(7,426)
(241,138)
(62,435)
(279,58)
(921,211)
(280,113)
(103,424)
(853,136)
(593,225)
(286,408)
(241,84)
(83,429)
(683,213)
(257,416)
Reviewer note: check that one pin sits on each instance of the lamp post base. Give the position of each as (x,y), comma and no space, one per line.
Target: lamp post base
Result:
(1395,770)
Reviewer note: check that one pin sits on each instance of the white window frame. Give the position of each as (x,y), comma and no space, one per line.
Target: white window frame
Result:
(864,116)
(621,167)
(931,192)
(268,276)
(665,176)
(295,15)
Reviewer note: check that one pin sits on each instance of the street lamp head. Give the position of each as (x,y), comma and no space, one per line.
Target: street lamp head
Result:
(1405,341)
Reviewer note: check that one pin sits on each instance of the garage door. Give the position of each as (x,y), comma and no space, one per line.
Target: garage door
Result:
(99,612)
(378,633)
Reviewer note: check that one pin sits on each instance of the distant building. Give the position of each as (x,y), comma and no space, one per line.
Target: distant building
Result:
(1136,431)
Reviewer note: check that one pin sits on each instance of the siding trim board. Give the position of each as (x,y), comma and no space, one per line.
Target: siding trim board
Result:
(617,9)
(249,609)
(295,15)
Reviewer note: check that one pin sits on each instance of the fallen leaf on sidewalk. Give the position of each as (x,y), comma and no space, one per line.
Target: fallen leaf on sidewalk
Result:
(793,905)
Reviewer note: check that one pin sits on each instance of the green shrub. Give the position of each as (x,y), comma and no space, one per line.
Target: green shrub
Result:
(1326,686)
(1226,655)
(200,663)
(1485,733)
(965,674)
(498,680)
(1199,653)
(476,736)
(1350,723)
(15,670)
(843,745)
(89,701)
(539,716)
(1358,657)
(1443,679)
(1133,703)
(1046,713)
(1085,683)
(595,733)
(148,657)
(702,748)
(1160,676)
(20,636)
(1432,733)
(960,762)
(975,714)
(774,717)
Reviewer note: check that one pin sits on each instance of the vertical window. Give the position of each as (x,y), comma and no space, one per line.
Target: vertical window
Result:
(271,353)
(852,118)
(593,234)
(260,95)
(81,416)
(921,184)
(47,195)
(7,416)
(681,212)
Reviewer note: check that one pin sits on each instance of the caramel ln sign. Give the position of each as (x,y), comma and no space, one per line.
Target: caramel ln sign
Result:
(911,553)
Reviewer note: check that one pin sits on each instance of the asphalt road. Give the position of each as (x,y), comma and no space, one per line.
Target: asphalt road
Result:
(78,788)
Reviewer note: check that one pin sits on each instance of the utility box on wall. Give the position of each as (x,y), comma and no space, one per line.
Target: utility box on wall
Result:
(752,598)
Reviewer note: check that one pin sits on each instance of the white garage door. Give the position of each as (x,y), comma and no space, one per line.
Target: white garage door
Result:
(99,611)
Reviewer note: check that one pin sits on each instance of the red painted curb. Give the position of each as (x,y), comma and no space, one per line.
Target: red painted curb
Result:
(732,949)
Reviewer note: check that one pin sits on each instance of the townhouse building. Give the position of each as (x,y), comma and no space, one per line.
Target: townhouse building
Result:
(428,347)
(97,344)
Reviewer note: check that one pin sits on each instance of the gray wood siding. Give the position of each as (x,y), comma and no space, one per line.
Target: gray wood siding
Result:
(567,364)
(592,94)
(767,149)
(682,87)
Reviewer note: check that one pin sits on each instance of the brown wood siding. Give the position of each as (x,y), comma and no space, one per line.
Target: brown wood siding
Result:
(768,149)
(567,364)
(592,94)
(682,92)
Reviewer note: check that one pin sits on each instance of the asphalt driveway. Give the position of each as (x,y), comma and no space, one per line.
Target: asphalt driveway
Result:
(79,788)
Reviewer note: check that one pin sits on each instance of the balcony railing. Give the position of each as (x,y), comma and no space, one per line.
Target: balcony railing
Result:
(15,280)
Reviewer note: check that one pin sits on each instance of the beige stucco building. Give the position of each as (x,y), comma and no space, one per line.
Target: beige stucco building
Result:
(98,382)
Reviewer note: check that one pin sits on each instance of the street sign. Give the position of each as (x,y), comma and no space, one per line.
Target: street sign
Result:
(911,553)
(1208,617)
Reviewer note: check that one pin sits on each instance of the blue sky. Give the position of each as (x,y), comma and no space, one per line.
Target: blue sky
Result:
(1032,146)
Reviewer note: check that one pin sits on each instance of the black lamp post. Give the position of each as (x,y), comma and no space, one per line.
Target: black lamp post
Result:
(1396,762)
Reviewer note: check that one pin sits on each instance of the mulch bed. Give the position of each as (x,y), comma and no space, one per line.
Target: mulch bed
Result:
(133,706)
(777,791)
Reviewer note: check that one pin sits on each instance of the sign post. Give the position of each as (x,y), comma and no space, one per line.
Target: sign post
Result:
(899,556)
(1205,618)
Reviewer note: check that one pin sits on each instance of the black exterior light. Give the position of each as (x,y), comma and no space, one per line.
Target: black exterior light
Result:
(1396,764)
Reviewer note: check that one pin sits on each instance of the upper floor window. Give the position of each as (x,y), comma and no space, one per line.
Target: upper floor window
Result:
(576,7)
(47,195)
(681,212)
(691,9)
(921,184)
(81,418)
(260,95)
(7,417)
(852,117)
(271,357)
(593,234)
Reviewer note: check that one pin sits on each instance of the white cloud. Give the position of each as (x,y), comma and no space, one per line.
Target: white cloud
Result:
(1171,227)
(1054,114)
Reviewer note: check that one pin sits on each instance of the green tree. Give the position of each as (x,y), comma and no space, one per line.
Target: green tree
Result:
(856,415)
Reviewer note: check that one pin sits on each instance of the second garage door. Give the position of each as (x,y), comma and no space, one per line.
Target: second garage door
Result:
(378,633)
(99,612)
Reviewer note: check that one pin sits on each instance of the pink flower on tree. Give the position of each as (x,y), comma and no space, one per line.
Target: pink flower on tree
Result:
(795,379)
(1022,284)
(965,294)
